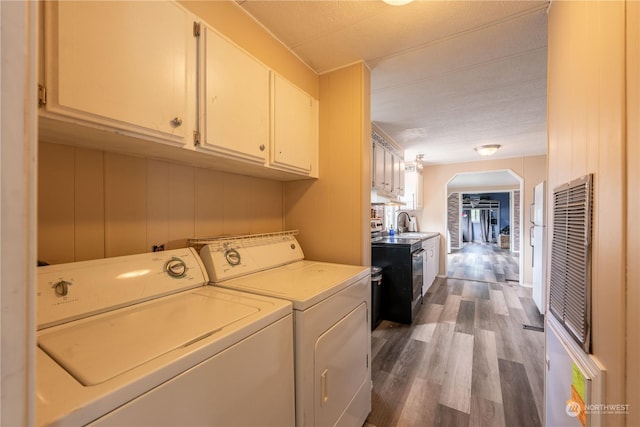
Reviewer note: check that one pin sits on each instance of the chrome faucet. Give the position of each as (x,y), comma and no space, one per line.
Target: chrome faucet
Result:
(398,220)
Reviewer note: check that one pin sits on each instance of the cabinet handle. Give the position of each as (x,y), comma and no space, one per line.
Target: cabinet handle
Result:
(262,147)
(176,122)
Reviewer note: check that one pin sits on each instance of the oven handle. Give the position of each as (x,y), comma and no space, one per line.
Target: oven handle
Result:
(418,253)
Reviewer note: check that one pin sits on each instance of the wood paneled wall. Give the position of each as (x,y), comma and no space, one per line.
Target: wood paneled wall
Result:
(587,134)
(94,204)
(633,210)
(332,213)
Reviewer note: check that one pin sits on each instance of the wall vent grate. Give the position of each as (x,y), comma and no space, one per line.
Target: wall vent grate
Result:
(570,276)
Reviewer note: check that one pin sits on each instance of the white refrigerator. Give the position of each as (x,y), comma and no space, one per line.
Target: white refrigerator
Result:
(538,237)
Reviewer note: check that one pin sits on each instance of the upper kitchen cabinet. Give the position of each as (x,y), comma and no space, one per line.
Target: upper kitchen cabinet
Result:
(119,66)
(413,195)
(381,176)
(235,100)
(250,113)
(398,176)
(294,143)
(387,168)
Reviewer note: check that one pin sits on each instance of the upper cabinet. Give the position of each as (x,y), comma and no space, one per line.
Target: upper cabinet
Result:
(149,78)
(235,100)
(120,65)
(295,128)
(387,168)
(413,194)
(381,175)
(398,176)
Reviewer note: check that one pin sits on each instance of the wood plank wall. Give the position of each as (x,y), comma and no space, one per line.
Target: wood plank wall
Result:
(94,204)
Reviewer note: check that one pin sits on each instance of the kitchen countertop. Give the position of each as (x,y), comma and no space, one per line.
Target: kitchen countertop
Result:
(408,239)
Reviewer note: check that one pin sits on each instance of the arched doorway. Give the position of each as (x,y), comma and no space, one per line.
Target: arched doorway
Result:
(484,226)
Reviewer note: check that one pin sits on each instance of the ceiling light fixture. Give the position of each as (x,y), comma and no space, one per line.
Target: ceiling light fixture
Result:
(487,150)
(397,2)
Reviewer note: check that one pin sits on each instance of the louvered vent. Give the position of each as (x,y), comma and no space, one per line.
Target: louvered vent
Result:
(570,278)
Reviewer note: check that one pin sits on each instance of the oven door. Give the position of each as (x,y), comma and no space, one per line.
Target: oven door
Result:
(418,259)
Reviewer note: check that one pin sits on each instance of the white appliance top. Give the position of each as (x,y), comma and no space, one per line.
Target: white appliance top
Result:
(110,329)
(304,283)
(274,266)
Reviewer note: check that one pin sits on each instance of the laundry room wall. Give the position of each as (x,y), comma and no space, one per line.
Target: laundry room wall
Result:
(94,204)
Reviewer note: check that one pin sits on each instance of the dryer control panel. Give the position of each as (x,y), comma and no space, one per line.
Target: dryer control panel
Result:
(230,258)
(72,291)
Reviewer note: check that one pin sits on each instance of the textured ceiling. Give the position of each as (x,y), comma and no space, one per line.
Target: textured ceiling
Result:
(446,76)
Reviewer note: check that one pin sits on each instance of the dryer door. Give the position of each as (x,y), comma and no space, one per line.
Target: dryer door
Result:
(341,365)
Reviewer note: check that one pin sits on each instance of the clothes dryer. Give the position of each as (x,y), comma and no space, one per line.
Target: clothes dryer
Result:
(331,306)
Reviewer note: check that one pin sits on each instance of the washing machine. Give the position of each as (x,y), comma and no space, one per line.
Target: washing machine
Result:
(143,340)
(332,332)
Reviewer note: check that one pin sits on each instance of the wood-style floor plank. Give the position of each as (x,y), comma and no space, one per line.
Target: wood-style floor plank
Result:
(456,388)
(518,401)
(498,302)
(434,365)
(449,417)
(424,331)
(451,307)
(485,380)
(486,413)
(465,321)
(421,408)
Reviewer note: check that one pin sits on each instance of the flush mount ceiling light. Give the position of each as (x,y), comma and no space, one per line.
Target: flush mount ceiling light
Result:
(487,150)
(397,2)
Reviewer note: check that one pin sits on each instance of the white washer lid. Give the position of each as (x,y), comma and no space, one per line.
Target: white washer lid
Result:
(304,283)
(102,347)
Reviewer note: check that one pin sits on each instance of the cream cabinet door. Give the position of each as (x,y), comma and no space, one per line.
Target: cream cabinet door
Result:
(378,167)
(388,171)
(398,176)
(122,64)
(295,127)
(235,100)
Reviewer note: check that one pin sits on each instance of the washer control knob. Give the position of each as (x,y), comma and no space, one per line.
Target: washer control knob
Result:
(61,288)
(175,267)
(232,256)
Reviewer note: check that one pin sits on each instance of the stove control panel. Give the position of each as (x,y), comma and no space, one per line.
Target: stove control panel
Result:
(72,291)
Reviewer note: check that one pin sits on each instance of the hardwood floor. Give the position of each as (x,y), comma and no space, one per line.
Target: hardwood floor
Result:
(466,360)
(484,262)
